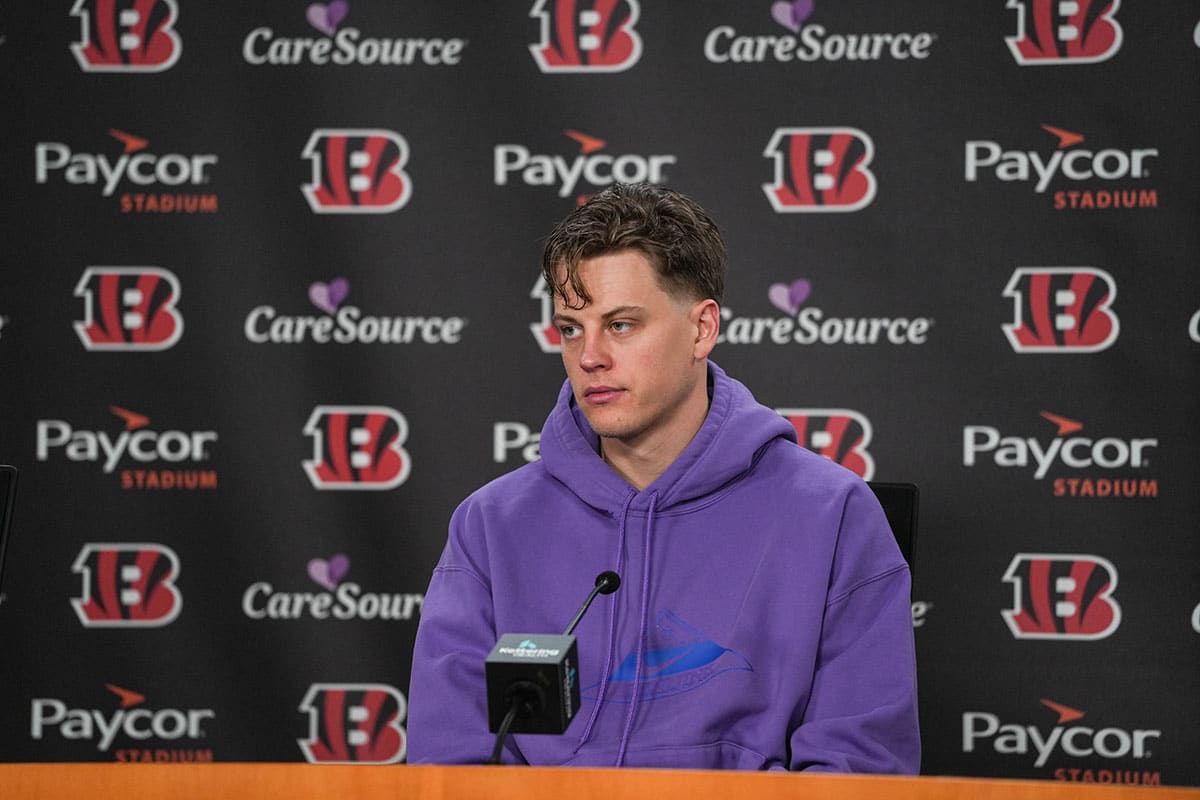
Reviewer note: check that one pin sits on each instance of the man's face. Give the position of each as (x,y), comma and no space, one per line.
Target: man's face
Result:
(635,355)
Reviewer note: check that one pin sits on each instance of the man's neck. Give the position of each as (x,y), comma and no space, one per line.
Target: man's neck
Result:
(640,461)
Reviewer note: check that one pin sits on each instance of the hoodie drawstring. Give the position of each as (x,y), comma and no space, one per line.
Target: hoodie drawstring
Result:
(612,629)
(641,640)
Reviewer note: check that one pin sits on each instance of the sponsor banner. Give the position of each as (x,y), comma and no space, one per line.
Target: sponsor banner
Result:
(1067,743)
(340,600)
(131,309)
(819,170)
(139,443)
(358,448)
(812,325)
(510,439)
(1109,460)
(809,41)
(357,171)
(126,37)
(134,732)
(1062,597)
(839,434)
(1061,310)
(1054,32)
(127,586)
(346,324)
(162,183)
(586,36)
(345,46)
(1082,177)
(354,723)
(591,170)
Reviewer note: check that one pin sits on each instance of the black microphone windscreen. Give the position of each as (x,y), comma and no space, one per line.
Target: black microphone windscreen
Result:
(608,582)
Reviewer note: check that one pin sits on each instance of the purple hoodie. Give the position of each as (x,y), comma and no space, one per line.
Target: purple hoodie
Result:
(763,619)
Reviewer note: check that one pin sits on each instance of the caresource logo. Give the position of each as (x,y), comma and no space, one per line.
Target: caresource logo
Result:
(981,728)
(589,36)
(1067,162)
(810,326)
(820,170)
(357,448)
(1063,597)
(1064,31)
(839,434)
(48,715)
(597,169)
(127,586)
(129,309)
(810,42)
(137,166)
(137,442)
(341,600)
(354,723)
(346,46)
(346,324)
(126,36)
(1108,453)
(357,171)
(1061,310)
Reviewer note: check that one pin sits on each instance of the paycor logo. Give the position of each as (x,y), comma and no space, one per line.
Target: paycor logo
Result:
(596,169)
(981,729)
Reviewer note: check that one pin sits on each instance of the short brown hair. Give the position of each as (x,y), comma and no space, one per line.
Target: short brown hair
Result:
(670,228)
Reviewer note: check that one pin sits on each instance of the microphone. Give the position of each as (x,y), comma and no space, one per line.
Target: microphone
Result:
(533,678)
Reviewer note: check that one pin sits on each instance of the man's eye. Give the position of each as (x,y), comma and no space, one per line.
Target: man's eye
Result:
(568,331)
(621,327)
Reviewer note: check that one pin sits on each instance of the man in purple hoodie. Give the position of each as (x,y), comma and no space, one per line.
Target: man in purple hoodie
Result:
(763,621)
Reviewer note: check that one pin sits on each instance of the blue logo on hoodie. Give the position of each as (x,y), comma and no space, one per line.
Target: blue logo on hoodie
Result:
(678,659)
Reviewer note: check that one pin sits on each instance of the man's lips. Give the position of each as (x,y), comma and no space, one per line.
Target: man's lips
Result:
(601,394)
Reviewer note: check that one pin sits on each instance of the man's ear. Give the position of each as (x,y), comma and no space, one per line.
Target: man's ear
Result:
(706,316)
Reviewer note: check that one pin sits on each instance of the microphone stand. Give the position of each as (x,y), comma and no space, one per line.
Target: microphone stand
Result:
(527,697)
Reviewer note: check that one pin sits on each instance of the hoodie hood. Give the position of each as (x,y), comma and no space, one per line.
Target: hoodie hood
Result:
(736,429)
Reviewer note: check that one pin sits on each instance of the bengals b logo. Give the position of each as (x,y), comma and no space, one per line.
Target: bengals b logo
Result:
(1062,597)
(126,35)
(1064,31)
(586,35)
(354,723)
(357,171)
(820,169)
(357,448)
(1061,310)
(129,308)
(545,332)
(838,434)
(127,586)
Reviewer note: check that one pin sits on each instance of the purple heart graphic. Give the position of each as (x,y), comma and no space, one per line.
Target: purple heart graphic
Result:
(328,296)
(789,298)
(792,15)
(326,17)
(329,573)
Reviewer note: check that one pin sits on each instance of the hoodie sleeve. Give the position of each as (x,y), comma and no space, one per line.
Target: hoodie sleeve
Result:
(862,713)
(447,720)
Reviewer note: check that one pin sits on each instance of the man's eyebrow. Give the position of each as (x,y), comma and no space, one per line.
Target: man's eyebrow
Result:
(561,316)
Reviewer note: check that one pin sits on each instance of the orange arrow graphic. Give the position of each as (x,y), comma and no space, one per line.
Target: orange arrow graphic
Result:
(587,144)
(133,420)
(1065,425)
(1065,713)
(128,697)
(132,143)
(1065,138)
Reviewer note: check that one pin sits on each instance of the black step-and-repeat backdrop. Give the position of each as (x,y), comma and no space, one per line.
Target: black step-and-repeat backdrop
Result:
(269,308)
